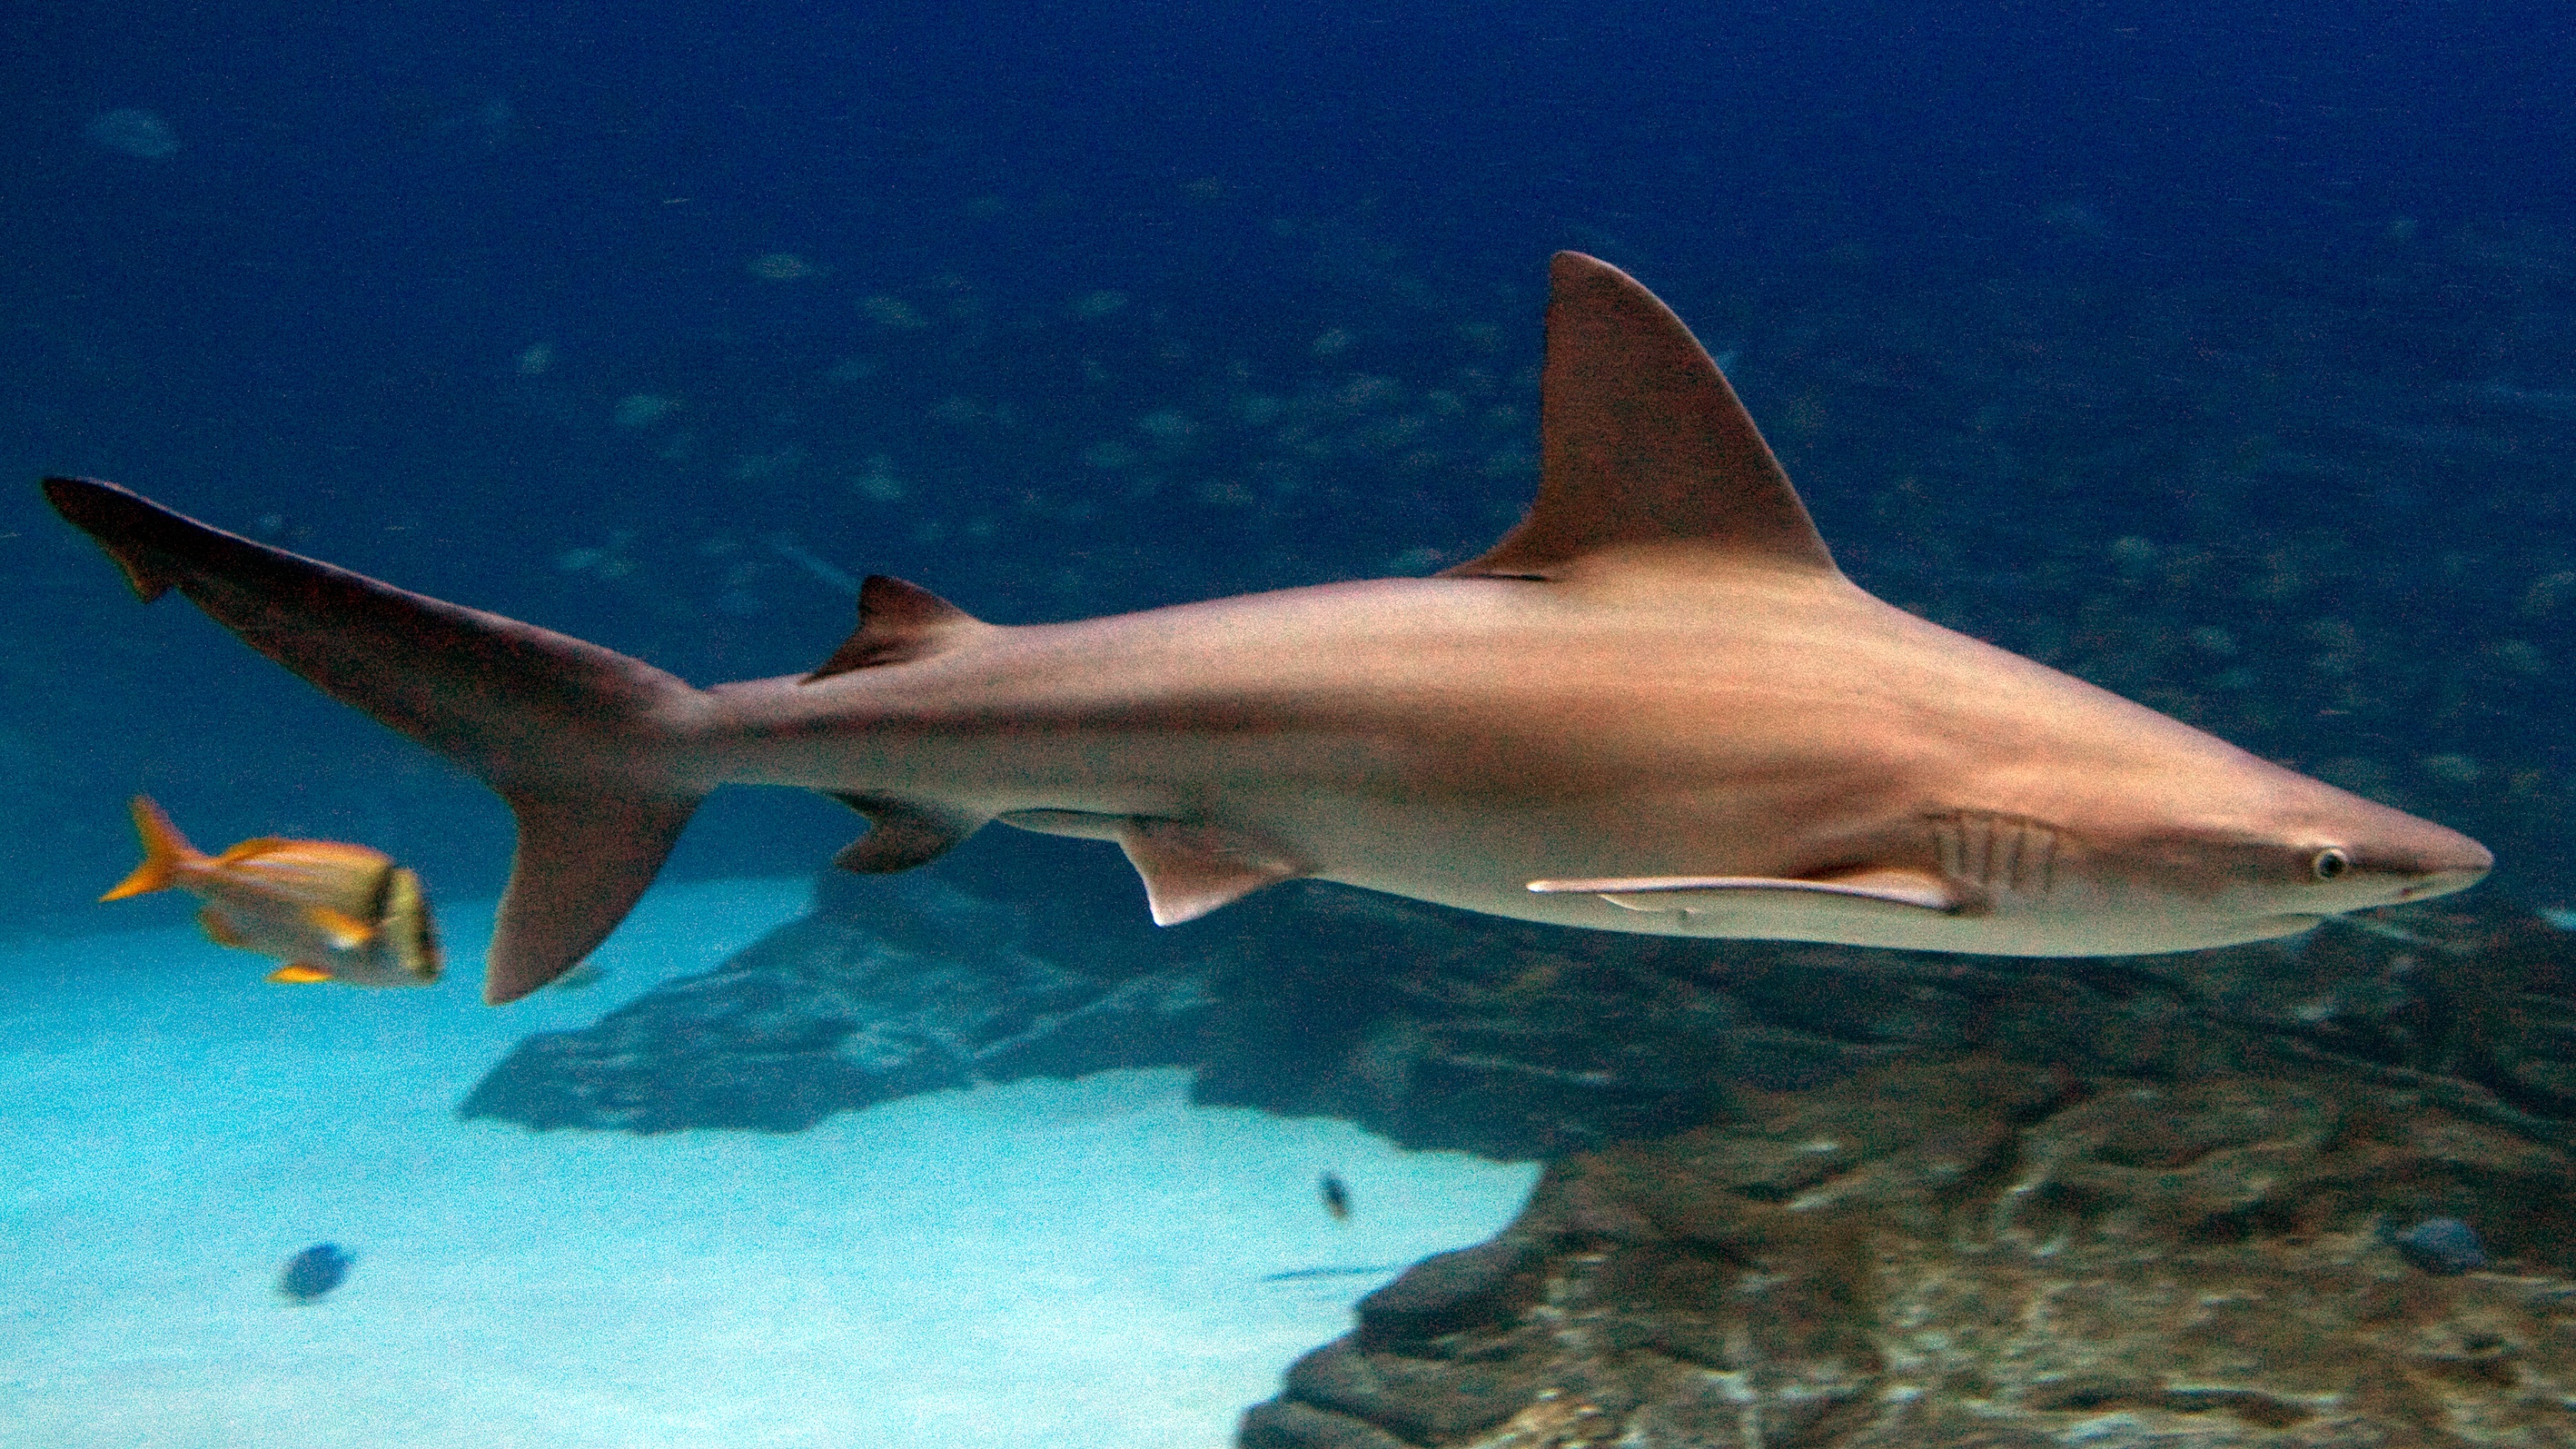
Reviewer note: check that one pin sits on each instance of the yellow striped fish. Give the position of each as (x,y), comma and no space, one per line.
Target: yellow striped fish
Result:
(331,911)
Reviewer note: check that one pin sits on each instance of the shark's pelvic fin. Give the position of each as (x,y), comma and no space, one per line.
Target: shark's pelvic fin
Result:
(1190,870)
(903,833)
(898,623)
(1642,443)
(1910,889)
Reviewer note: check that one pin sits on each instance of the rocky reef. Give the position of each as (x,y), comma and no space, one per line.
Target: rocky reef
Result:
(2313,1192)
(1976,1252)
(887,988)
(1442,1029)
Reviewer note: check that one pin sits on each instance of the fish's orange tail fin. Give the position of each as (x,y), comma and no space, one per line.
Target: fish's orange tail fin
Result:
(164,851)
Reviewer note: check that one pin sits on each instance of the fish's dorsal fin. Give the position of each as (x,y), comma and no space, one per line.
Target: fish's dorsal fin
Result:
(898,623)
(1642,443)
(252,849)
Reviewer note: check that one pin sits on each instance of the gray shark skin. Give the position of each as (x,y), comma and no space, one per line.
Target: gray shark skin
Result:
(1656,705)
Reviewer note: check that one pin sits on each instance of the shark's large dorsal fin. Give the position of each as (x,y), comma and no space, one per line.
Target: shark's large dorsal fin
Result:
(1642,443)
(898,622)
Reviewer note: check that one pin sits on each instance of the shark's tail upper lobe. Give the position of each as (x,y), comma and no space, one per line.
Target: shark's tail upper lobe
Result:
(580,740)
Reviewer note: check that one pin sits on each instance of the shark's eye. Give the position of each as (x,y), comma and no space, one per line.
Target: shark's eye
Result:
(2330,863)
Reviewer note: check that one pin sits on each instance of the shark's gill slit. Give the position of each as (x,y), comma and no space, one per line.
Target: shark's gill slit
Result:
(2001,854)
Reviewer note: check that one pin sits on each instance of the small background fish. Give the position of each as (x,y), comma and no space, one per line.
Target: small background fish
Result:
(1337,1197)
(314,1272)
(331,911)
(2446,1247)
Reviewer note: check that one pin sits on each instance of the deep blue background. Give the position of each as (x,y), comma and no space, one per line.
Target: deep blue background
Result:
(311,312)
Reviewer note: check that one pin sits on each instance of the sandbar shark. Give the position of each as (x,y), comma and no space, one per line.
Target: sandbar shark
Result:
(1656,705)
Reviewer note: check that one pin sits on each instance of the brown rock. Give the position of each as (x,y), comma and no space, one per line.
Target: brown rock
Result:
(1978,1252)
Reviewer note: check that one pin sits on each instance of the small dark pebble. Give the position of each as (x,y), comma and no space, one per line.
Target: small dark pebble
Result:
(2446,1246)
(315,1271)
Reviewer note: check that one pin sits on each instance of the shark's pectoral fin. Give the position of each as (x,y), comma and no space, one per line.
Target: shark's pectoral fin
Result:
(1908,889)
(903,833)
(1190,870)
(1072,824)
(1907,886)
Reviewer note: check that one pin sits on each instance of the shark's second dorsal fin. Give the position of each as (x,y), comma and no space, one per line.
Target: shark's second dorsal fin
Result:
(898,622)
(1641,443)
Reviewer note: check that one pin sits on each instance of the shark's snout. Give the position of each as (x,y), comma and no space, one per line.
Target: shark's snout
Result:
(2443,861)
(2443,882)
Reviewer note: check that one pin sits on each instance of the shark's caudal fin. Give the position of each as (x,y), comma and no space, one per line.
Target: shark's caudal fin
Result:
(569,733)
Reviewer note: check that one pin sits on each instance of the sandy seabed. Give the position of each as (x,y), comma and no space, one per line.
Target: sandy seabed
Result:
(1043,1263)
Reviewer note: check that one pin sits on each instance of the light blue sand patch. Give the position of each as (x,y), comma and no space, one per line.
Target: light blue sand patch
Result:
(1066,1263)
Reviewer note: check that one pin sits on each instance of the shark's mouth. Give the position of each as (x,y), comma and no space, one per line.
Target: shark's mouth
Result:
(2440,885)
(2291,925)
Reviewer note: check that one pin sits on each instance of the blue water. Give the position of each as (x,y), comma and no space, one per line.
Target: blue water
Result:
(2222,353)
(1092,307)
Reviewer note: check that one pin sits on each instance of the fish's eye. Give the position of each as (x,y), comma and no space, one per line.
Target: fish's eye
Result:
(2329,863)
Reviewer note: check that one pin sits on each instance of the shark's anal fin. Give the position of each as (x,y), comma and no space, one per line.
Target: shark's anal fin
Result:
(1892,886)
(902,833)
(898,623)
(297,973)
(1190,870)
(1642,445)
